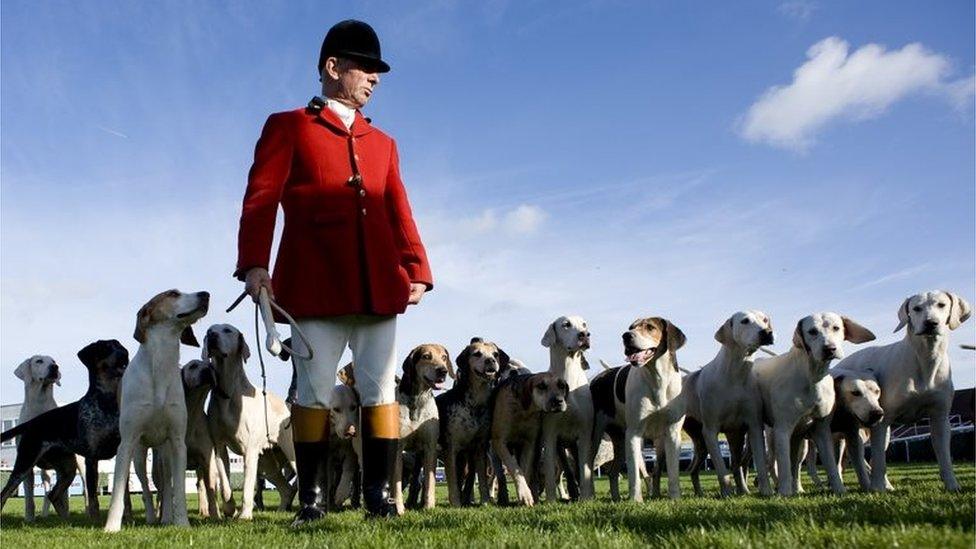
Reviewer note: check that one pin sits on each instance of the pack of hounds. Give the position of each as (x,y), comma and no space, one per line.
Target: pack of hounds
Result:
(499,423)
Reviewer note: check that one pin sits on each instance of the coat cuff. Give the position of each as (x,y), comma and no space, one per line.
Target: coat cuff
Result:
(419,275)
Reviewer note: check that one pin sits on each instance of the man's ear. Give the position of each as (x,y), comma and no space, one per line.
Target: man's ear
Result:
(902,315)
(549,338)
(724,334)
(187,337)
(959,311)
(855,333)
(242,345)
(23,370)
(798,339)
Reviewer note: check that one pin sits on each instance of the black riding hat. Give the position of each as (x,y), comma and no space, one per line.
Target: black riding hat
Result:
(354,40)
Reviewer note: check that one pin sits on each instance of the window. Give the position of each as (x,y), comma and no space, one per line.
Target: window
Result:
(9,424)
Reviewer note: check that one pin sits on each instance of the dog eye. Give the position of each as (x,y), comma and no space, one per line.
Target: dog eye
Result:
(495,353)
(427,356)
(566,324)
(917,309)
(446,359)
(744,321)
(476,353)
(856,393)
(836,328)
(812,331)
(942,305)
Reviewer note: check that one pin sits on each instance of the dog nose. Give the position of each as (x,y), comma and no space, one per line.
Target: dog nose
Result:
(628,337)
(204,296)
(875,416)
(441,373)
(930,324)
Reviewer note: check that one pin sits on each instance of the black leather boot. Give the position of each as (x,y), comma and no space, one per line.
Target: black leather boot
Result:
(381,431)
(309,423)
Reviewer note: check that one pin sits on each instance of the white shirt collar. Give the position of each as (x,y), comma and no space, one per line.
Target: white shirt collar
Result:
(345,113)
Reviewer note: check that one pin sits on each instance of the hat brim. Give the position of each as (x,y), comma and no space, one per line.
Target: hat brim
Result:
(368,62)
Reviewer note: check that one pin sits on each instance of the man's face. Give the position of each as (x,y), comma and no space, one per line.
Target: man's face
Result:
(349,81)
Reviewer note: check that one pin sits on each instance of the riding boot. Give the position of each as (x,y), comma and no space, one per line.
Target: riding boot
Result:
(309,431)
(381,440)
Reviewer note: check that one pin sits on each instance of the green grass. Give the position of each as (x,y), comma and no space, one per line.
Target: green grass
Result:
(919,514)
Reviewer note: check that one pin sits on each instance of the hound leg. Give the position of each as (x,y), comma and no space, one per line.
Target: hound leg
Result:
(86,487)
(673,441)
(250,480)
(139,464)
(940,443)
(521,486)
(585,466)
(700,454)
(856,454)
(634,441)
(210,485)
(91,487)
(549,449)
(811,463)
(757,441)
(880,434)
(654,479)
(429,496)
(615,466)
(798,451)
(825,444)
(530,471)
(29,496)
(501,497)
(736,440)
(710,435)
(277,477)
(783,464)
(123,458)
(451,472)
(226,491)
(481,470)
(58,495)
(397,480)
(840,448)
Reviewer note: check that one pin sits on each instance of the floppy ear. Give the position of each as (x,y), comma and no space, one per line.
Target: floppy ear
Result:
(205,349)
(87,355)
(724,334)
(142,323)
(676,338)
(23,370)
(585,363)
(462,361)
(187,337)
(450,365)
(959,311)
(347,376)
(504,361)
(525,394)
(242,345)
(549,338)
(57,380)
(902,315)
(798,339)
(409,378)
(855,333)
(476,339)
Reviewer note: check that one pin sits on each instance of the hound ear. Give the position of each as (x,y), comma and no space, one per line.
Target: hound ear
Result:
(476,339)
(525,394)
(902,315)
(450,365)
(187,337)
(585,363)
(205,349)
(23,370)
(347,376)
(855,333)
(409,373)
(549,338)
(462,362)
(142,323)
(676,338)
(87,355)
(724,334)
(798,339)
(504,361)
(242,345)
(959,311)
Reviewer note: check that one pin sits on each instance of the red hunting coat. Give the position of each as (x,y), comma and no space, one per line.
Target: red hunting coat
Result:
(349,244)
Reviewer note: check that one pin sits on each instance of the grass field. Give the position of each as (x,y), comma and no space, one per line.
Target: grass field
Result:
(919,514)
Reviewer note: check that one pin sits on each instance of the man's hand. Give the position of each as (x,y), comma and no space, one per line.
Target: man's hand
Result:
(416,292)
(255,279)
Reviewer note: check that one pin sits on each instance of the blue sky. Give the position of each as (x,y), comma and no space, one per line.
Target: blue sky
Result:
(608,159)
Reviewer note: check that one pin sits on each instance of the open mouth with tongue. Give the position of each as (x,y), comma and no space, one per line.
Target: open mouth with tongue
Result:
(639,357)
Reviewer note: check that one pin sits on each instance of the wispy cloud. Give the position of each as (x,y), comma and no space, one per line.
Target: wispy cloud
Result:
(800,10)
(835,84)
(901,274)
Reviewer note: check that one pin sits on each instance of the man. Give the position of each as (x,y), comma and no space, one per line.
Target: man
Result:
(349,261)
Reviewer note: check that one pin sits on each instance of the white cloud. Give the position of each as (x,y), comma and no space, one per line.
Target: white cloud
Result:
(524,219)
(837,85)
(797,9)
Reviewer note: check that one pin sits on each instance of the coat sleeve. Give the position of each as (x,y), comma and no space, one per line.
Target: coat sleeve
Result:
(413,257)
(265,184)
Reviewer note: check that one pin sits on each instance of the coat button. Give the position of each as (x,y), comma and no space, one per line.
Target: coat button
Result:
(362,192)
(355,156)
(364,211)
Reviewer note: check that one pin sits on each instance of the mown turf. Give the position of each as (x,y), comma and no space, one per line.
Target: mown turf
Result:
(919,514)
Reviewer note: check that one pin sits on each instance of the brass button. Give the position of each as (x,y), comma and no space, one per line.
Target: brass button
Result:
(364,211)
(356,156)
(362,192)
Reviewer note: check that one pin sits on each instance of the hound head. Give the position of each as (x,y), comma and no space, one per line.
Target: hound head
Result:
(648,339)
(174,310)
(200,374)
(39,370)
(860,394)
(426,367)
(933,314)
(515,368)
(567,332)
(224,341)
(344,411)
(546,392)
(822,335)
(747,330)
(106,361)
(482,359)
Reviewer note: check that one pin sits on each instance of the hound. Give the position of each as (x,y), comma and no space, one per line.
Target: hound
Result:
(517,405)
(465,417)
(798,394)
(345,444)
(566,338)
(606,389)
(723,397)
(652,406)
(915,377)
(242,423)
(424,370)
(152,404)
(199,379)
(857,408)
(40,374)
(88,427)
